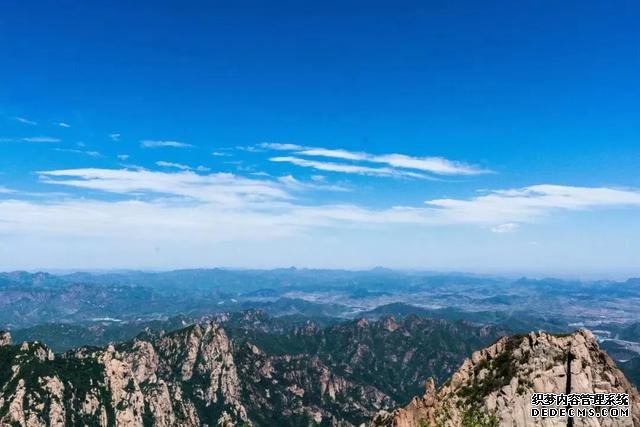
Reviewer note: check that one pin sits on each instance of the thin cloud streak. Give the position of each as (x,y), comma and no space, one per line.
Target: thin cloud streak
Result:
(213,188)
(508,227)
(180,166)
(75,151)
(25,121)
(434,165)
(43,139)
(5,190)
(348,168)
(149,143)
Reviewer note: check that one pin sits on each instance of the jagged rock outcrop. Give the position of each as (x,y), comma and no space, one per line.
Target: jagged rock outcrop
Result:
(192,377)
(5,338)
(494,386)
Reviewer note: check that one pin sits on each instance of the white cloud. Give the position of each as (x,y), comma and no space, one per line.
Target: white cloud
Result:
(182,167)
(32,139)
(114,136)
(220,154)
(434,165)
(220,210)
(41,139)
(281,147)
(507,227)
(531,203)
(123,157)
(213,188)
(227,208)
(501,209)
(348,168)
(64,125)
(164,164)
(25,121)
(5,190)
(149,143)
(290,182)
(72,150)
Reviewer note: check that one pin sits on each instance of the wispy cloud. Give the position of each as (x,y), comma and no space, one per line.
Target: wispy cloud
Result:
(123,157)
(218,187)
(501,210)
(114,136)
(432,165)
(75,151)
(198,211)
(180,166)
(220,154)
(282,147)
(64,125)
(531,203)
(150,143)
(290,182)
(38,139)
(348,168)
(25,121)
(507,227)
(5,190)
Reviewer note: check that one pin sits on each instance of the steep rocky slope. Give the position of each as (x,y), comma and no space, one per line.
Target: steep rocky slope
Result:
(191,377)
(393,355)
(494,386)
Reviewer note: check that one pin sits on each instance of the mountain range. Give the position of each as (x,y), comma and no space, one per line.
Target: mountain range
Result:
(300,347)
(248,368)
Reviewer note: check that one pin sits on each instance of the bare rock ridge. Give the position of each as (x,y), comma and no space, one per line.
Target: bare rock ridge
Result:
(494,386)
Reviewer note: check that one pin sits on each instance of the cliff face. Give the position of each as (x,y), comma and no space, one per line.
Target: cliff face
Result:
(192,377)
(494,386)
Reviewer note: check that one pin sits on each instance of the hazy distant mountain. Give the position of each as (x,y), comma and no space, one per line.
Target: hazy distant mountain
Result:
(65,311)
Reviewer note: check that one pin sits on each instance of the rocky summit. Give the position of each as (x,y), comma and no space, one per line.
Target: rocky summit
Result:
(494,386)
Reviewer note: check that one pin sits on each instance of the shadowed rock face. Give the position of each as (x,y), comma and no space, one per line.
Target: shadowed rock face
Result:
(494,386)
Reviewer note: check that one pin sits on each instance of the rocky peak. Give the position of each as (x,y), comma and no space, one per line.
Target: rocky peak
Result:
(494,385)
(390,324)
(5,338)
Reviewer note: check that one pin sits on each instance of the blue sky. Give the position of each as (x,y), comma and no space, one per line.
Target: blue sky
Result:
(493,137)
